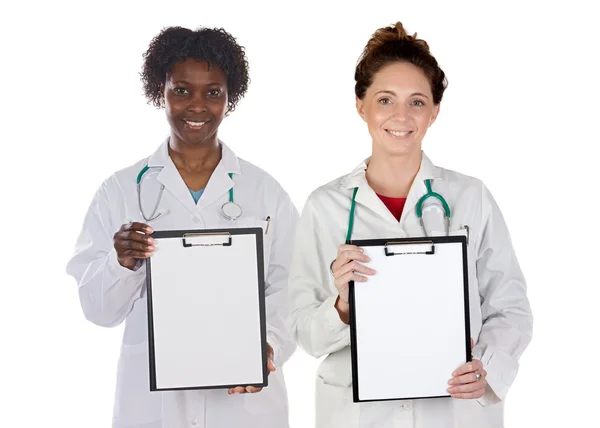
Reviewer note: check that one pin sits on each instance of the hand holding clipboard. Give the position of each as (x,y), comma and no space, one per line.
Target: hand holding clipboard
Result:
(345,268)
(466,383)
(254,389)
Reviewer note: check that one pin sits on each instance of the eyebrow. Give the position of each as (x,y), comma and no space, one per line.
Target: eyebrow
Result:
(394,94)
(188,83)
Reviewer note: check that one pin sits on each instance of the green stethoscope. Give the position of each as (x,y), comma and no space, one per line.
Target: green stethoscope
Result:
(418,209)
(230,210)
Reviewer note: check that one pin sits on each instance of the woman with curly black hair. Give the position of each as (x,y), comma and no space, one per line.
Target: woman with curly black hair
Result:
(198,77)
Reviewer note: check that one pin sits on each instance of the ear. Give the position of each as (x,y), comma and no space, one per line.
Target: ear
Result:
(360,108)
(162,95)
(227,109)
(434,115)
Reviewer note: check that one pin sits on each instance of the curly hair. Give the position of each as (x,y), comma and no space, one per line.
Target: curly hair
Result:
(214,45)
(393,44)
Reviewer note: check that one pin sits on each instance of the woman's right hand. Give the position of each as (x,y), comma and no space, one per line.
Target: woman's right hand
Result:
(346,268)
(132,243)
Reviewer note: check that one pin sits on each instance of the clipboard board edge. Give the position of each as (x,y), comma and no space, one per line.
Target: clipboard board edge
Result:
(468,350)
(178,233)
(382,242)
(402,399)
(353,349)
(209,387)
(151,359)
(262,300)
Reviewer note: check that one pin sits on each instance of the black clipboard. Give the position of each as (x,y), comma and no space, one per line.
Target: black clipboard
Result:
(392,248)
(227,240)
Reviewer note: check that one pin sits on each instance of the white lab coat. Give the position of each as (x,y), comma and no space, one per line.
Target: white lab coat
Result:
(110,293)
(501,320)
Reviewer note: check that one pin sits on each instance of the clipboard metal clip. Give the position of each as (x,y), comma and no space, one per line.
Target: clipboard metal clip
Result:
(186,236)
(414,247)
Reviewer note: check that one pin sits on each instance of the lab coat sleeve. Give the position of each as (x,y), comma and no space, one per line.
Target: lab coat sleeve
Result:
(283,228)
(315,323)
(107,290)
(507,322)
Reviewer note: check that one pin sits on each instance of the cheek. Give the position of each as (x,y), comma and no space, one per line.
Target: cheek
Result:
(171,109)
(221,111)
(376,118)
(423,119)
(217,109)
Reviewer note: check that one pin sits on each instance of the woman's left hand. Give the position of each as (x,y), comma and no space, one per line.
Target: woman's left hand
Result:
(465,383)
(253,389)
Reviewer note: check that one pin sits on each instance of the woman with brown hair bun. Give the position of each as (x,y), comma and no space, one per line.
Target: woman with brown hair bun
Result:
(399,89)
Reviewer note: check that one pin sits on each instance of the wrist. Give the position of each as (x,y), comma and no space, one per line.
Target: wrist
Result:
(127,263)
(343,309)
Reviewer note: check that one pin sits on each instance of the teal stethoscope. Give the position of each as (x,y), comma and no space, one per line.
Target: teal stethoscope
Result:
(418,209)
(230,210)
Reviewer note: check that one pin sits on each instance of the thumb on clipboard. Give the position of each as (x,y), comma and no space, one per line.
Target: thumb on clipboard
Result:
(469,380)
(252,389)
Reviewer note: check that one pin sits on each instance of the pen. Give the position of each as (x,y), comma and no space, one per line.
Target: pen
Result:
(268,220)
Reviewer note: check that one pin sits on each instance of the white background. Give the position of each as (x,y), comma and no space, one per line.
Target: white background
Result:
(521,113)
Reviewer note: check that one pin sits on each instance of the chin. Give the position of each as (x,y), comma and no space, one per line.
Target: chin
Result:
(395,149)
(198,139)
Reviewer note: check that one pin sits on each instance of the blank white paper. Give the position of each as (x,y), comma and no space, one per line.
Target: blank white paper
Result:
(410,323)
(206,318)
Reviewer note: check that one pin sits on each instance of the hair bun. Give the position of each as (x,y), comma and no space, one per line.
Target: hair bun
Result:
(393,33)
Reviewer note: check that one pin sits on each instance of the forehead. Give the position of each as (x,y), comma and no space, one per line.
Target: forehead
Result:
(400,77)
(194,71)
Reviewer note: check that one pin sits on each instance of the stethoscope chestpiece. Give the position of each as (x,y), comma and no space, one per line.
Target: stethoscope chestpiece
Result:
(231,211)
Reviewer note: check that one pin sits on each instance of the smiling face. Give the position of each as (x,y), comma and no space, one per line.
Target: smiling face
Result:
(398,108)
(195,100)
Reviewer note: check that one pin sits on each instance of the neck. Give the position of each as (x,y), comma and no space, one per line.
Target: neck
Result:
(393,176)
(194,158)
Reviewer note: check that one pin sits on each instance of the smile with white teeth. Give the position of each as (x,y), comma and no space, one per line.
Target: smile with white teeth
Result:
(399,133)
(195,125)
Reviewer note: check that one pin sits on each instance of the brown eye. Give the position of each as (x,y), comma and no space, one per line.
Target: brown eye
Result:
(180,91)
(385,101)
(214,92)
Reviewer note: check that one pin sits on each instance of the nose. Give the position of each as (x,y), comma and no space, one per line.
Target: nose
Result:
(197,104)
(400,112)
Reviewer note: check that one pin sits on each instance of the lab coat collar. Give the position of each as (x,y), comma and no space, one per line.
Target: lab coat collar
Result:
(230,161)
(367,196)
(218,184)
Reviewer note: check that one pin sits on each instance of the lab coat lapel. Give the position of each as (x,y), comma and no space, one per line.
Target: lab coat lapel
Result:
(170,177)
(366,196)
(219,183)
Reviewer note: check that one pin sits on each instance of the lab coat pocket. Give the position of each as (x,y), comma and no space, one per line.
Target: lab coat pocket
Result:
(470,414)
(334,407)
(271,399)
(135,404)
(266,236)
(462,231)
